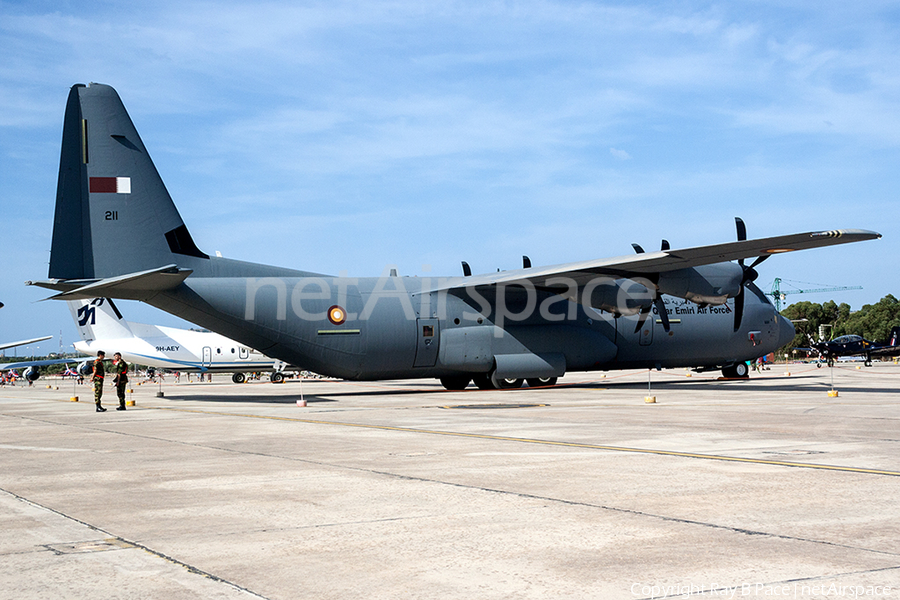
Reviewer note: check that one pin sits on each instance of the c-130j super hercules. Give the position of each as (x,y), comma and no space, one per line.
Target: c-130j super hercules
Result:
(118,234)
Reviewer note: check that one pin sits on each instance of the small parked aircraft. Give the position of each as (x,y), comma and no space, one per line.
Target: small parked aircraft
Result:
(32,368)
(855,345)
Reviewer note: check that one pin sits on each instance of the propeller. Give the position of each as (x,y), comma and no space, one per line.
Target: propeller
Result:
(749,274)
(658,301)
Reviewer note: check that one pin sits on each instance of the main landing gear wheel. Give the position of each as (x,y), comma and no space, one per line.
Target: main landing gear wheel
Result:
(276,377)
(455,383)
(541,381)
(739,370)
(489,382)
(239,378)
(508,384)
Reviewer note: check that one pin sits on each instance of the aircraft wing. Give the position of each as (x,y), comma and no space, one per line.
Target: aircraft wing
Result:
(37,363)
(886,351)
(651,263)
(6,345)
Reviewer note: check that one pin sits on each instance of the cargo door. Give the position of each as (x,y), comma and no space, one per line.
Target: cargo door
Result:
(429,337)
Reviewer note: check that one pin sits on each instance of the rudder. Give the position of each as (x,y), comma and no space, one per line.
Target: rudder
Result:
(894,340)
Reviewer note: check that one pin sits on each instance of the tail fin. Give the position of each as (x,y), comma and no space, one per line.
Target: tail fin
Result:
(99,319)
(113,213)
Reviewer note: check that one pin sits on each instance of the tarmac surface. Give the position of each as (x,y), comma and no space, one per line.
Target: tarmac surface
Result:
(766,487)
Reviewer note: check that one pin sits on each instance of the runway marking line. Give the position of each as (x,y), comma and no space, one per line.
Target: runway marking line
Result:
(503,438)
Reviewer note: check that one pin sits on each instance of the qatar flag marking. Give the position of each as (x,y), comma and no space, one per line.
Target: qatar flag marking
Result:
(110,185)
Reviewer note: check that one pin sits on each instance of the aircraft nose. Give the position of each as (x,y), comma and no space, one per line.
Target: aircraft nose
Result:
(785,331)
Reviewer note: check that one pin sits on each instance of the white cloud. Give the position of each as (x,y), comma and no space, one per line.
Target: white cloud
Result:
(620,154)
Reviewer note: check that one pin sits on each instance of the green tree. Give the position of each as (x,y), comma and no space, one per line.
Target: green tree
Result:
(872,321)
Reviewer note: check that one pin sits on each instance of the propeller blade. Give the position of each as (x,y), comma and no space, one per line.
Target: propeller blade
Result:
(664,245)
(467,271)
(637,248)
(741,229)
(741,236)
(526,262)
(643,319)
(739,309)
(759,260)
(663,313)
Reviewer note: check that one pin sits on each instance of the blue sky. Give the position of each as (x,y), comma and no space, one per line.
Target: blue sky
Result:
(347,136)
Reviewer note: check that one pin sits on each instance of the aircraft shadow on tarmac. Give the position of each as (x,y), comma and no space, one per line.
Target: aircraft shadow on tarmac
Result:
(257,398)
(749,385)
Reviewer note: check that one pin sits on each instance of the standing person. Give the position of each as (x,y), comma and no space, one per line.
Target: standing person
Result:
(121,371)
(97,377)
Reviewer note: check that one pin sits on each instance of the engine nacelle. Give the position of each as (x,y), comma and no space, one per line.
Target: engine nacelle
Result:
(617,296)
(32,373)
(86,368)
(708,284)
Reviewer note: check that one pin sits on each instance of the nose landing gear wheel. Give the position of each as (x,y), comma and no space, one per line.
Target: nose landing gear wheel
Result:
(739,370)
(238,378)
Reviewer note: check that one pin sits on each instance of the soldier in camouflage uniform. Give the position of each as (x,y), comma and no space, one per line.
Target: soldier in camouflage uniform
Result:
(120,368)
(97,378)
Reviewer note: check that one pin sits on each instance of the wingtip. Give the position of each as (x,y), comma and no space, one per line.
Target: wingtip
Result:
(858,234)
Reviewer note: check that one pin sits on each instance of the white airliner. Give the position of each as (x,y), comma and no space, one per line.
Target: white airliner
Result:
(102,327)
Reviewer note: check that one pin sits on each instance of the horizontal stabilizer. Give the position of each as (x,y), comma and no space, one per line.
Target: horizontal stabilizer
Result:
(133,286)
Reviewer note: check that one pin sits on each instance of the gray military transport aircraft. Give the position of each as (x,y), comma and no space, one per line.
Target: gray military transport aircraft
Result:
(118,234)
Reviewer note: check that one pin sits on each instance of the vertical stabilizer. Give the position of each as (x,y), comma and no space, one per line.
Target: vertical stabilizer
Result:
(113,213)
(99,319)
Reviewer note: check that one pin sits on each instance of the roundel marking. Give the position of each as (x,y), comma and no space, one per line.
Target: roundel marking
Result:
(337,315)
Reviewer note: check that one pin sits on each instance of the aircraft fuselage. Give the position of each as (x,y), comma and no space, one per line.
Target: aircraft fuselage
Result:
(395,327)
